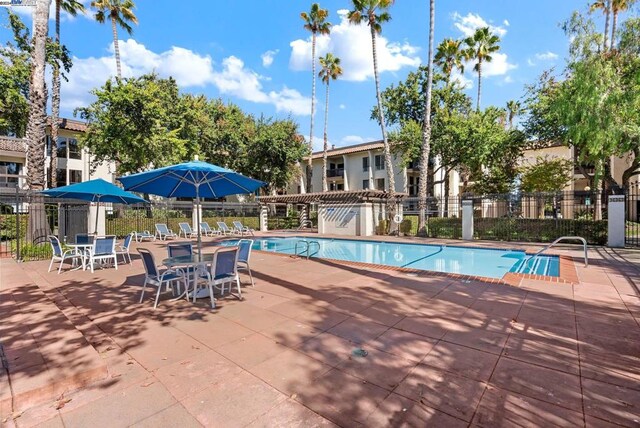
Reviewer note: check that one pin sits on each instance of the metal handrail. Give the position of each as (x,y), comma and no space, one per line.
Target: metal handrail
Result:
(307,249)
(295,249)
(563,238)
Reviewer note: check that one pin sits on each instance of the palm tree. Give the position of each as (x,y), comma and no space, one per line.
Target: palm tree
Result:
(330,70)
(449,56)
(72,7)
(618,6)
(315,22)
(374,13)
(37,119)
(120,13)
(514,108)
(426,130)
(605,6)
(480,47)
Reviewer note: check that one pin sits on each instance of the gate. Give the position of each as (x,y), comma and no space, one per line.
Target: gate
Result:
(632,211)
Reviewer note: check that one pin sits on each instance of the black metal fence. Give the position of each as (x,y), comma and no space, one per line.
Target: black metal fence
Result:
(632,230)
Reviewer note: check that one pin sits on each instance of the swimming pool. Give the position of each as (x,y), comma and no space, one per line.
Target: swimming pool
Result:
(440,258)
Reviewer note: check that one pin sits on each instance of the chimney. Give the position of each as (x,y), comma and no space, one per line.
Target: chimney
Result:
(333,147)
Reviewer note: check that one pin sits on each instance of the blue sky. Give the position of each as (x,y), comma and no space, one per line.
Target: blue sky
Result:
(256,54)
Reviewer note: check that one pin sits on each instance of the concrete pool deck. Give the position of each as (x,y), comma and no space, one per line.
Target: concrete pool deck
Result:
(441,351)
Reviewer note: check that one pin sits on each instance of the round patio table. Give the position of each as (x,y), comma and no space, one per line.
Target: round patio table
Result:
(81,250)
(190,264)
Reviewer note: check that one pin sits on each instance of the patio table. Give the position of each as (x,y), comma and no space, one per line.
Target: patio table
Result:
(80,249)
(190,264)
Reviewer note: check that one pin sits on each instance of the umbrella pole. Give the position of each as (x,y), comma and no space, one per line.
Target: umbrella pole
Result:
(95,231)
(198,220)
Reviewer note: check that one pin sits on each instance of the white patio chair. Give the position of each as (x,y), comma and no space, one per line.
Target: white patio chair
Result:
(60,254)
(223,270)
(179,249)
(207,230)
(103,249)
(224,229)
(154,277)
(242,229)
(124,248)
(163,232)
(185,229)
(244,254)
(145,234)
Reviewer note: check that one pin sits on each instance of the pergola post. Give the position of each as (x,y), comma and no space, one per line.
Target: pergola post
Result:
(264,218)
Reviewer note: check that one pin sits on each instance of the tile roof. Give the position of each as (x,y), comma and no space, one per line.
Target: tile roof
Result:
(374,145)
(70,124)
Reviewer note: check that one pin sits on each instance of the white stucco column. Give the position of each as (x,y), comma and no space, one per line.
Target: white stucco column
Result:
(264,216)
(616,221)
(467,220)
(99,211)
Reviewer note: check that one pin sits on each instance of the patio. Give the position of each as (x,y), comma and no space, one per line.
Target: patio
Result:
(440,351)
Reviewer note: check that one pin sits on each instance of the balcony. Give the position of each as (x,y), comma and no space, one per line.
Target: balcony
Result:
(589,169)
(335,172)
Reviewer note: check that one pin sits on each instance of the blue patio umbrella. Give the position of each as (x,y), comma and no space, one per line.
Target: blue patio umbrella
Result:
(195,179)
(97,190)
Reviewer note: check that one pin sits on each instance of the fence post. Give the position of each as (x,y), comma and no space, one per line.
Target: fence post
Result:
(18,236)
(467,219)
(616,221)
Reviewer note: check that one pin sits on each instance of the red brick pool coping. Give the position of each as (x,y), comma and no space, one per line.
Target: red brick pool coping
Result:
(567,275)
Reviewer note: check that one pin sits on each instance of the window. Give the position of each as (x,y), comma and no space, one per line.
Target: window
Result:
(379,183)
(62,147)
(413,185)
(365,184)
(365,164)
(9,168)
(75,176)
(61,177)
(74,149)
(336,186)
(47,144)
(379,162)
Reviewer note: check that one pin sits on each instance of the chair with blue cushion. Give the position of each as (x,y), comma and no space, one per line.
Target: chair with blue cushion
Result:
(244,254)
(207,230)
(180,249)
(124,248)
(223,270)
(163,232)
(154,277)
(60,254)
(103,250)
(84,238)
(185,229)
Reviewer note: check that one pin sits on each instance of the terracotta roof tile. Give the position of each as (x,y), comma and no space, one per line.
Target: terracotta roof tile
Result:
(374,145)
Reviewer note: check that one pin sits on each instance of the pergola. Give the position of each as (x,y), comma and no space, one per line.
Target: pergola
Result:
(345,196)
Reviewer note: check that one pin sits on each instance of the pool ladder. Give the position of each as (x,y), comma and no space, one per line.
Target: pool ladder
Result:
(562,238)
(307,248)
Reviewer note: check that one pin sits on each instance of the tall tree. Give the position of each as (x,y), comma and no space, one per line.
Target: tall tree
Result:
(618,6)
(426,130)
(514,108)
(449,56)
(330,70)
(73,7)
(120,13)
(374,14)
(315,22)
(480,47)
(605,6)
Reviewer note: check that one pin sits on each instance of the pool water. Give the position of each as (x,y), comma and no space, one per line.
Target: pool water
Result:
(440,258)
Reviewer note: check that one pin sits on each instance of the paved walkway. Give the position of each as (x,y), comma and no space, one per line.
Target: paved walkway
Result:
(440,351)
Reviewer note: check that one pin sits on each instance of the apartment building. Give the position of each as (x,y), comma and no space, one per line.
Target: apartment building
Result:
(73,161)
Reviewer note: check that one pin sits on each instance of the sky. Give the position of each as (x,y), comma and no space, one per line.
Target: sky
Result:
(256,53)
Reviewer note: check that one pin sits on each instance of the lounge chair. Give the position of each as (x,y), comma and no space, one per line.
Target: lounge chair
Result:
(145,234)
(207,230)
(124,248)
(103,249)
(185,229)
(163,232)
(60,254)
(224,229)
(241,229)
(154,277)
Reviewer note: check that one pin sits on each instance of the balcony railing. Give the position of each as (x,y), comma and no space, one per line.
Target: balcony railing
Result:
(335,172)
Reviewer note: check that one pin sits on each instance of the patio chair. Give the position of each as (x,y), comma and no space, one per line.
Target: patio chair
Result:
(242,229)
(207,230)
(223,228)
(124,248)
(60,254)
(84,238)
(103,249)
(163,232)
(223,270)
(180,249)
(244,254)
(145,234)
(154,277)
(185,229)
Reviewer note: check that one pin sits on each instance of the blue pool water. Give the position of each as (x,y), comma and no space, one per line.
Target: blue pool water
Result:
(451,259)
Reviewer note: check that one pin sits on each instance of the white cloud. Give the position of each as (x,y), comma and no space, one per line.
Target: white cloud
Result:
(498,66)
(350,140)
(268,56)
(352,44)
(342,106)
(461,79)
(469,23)
(27,12)
(506,23)
(188,68)
(542,57)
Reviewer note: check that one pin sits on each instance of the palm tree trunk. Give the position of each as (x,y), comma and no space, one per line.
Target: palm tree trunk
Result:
(391,201)
(313,111)
(37,229)
(426,132)
(607,18)
(479,83)
(326,141)
(447,190)
(116,47)
(55,107)
(614,25)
